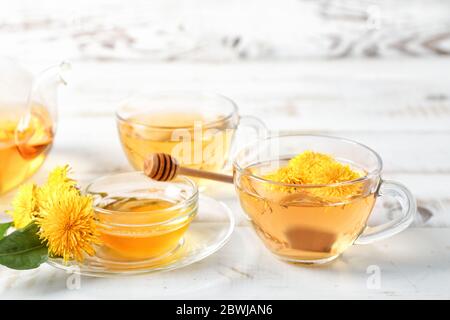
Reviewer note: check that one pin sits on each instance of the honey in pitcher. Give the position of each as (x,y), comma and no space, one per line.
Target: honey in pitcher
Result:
(301,224)
(23,150)
(195,141)
(136,229)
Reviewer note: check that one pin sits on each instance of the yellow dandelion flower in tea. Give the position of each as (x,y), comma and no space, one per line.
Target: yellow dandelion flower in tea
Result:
(25,205)
(317,168)
(67,225)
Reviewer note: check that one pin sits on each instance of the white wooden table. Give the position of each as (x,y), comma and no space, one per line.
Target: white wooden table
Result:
(399,106)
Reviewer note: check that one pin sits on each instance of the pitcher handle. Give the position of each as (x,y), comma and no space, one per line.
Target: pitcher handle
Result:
(388,229)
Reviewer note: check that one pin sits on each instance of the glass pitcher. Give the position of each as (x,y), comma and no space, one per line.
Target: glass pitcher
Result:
(28,110)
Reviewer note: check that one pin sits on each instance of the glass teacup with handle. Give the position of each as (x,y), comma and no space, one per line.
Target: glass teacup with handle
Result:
(313,224)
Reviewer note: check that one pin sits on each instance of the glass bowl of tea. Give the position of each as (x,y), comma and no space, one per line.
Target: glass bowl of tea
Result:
(139,218)
(309,197)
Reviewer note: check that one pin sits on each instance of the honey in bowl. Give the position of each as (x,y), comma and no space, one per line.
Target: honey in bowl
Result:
(140,219)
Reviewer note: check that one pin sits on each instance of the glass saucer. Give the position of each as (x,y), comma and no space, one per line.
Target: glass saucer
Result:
(209,231)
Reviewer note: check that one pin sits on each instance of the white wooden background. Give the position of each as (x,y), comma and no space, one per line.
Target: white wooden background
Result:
(374,71)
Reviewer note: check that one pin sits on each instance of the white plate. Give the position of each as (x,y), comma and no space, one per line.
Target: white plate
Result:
(208,232)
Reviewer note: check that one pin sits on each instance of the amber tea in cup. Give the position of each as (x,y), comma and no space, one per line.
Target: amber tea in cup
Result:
(314,224)
(141,219)
(196,128)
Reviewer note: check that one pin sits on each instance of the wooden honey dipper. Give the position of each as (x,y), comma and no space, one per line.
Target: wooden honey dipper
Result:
(164,167)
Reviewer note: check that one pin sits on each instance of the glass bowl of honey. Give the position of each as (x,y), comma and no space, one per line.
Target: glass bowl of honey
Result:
(140,219)
(147,226)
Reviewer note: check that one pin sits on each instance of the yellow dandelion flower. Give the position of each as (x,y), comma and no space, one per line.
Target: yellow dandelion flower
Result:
(25,205)
(67,225)
(59,177)
(320,169)
(57,182)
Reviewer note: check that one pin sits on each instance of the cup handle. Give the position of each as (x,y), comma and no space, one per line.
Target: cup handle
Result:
(256,124)
(386,230)
(251,122)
